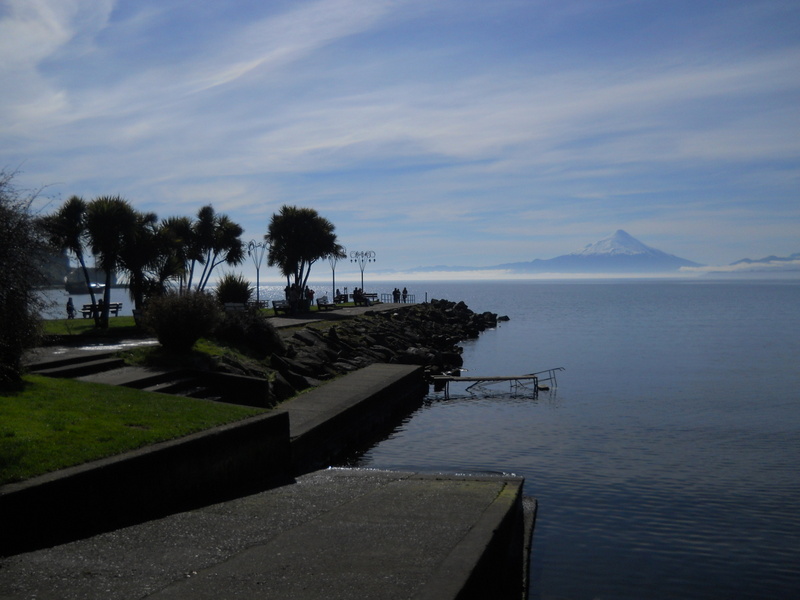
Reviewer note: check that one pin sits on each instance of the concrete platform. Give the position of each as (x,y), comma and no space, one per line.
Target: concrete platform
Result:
(337,533)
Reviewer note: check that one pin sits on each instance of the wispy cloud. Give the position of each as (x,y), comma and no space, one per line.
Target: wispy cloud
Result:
(489,132)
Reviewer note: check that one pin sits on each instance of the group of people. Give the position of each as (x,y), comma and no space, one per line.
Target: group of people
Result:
(359,298)
(297,296)
(397,295)
(97,309)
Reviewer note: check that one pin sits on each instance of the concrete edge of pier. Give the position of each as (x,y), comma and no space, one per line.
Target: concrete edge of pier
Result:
(333,533)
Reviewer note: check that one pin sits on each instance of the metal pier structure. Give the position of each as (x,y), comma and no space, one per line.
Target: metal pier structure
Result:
(518,384)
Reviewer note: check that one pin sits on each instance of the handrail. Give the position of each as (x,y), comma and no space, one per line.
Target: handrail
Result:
(551,375)
(389,298)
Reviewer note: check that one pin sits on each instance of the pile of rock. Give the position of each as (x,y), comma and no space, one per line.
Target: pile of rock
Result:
(419,334)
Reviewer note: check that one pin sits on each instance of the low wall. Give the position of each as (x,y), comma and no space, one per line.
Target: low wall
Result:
(210,466)
(350,413)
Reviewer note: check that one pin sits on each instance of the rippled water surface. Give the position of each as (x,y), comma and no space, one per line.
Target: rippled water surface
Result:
(665,463)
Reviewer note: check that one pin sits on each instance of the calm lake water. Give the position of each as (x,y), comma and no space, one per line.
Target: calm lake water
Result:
(666,463)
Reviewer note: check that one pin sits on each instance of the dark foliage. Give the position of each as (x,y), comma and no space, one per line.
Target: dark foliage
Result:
(233,288)
(21,250)
(251,333)
(178,321)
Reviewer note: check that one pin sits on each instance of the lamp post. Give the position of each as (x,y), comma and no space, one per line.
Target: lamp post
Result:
(362,257)
(256,250)
(333,259)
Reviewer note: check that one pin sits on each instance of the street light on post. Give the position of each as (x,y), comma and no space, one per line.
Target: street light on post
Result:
(362,257)
(256,250)
(333,259)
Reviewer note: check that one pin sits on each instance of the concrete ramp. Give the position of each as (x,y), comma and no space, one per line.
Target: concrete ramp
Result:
(336,533)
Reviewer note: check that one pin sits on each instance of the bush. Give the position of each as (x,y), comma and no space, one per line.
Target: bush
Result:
(250,332)
(234,288)
(178,321)
(21,252)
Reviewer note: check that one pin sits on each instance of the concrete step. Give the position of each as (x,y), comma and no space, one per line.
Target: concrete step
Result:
(184,386)
(81,368)
(50,361)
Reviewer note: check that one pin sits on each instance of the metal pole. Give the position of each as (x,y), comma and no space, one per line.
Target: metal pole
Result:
(255,250)
(362,257)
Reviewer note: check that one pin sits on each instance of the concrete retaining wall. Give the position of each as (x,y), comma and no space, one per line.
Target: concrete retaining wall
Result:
(351,412)
(206,467)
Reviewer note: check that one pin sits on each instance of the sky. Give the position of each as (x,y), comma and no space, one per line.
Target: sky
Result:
(446,132)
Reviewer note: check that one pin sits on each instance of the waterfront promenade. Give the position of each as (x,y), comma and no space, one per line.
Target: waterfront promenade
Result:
(329,533)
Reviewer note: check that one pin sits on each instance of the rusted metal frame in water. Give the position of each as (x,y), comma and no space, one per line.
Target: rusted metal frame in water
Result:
(529,382)
(551,375)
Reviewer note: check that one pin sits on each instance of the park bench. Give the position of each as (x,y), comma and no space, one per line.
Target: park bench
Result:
(340,299)
(324,304)
(88,310)
(281,306)
(235,307)
(365,299)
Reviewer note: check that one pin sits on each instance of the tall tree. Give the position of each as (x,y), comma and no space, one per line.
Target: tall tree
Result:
(20,241)
(140,256)
(216,240)
(175,239)
(66,231)
(110,221)
(298,237)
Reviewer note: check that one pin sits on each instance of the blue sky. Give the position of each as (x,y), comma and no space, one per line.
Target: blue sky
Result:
(455,132)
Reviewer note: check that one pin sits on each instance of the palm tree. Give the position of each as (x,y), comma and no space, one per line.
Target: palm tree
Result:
(66,231)
(140,256)
(110,220)
(175,239)
(201,238)
(216,240)
(298,237)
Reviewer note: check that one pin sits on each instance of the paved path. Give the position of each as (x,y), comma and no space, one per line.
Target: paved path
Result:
(339,314)
(337,533)
(50,353)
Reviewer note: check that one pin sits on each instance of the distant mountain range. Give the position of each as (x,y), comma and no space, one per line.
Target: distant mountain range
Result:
(779,266)
(618,253)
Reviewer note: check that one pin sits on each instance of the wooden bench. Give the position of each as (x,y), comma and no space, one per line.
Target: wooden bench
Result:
(235,307)
(324,304)
(88,310)
(365,299)
(281,306)
(340,299)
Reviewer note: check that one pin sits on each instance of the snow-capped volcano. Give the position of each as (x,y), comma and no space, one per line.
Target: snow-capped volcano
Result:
(617,253)
(618,243)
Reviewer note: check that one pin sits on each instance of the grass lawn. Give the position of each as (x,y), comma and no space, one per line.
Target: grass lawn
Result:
(117,327)
(49,424)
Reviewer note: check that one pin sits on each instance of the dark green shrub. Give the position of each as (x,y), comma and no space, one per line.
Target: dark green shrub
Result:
(234,288)
(250,332)
(21,252)
(178,321)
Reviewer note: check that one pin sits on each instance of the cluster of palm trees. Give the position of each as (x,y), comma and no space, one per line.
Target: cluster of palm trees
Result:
(179,253)
(153,255)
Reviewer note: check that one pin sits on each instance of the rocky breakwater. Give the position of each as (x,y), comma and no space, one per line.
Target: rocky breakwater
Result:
(420,334)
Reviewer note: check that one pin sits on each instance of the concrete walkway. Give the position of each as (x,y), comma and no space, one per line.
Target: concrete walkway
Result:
(337,533)
(47,354)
